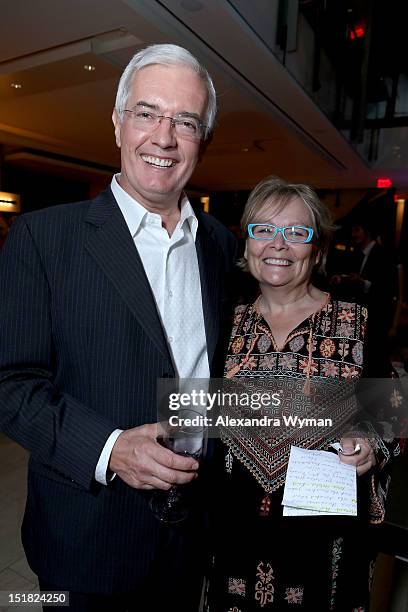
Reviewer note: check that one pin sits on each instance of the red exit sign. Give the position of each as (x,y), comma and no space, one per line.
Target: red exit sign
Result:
(384,183)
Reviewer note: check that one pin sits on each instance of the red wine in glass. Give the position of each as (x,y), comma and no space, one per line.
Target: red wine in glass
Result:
(187,440)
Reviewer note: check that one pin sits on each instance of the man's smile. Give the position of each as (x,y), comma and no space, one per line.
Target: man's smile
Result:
(158,162)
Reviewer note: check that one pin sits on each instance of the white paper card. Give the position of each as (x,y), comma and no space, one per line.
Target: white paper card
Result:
(290,511)
(318,481)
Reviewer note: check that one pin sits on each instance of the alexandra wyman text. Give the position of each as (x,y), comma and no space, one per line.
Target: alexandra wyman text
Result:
(287,421)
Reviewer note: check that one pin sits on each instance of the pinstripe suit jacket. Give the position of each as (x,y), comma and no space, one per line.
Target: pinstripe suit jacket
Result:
(81,349)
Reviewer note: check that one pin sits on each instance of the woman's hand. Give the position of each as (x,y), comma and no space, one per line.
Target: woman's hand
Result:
(363,460)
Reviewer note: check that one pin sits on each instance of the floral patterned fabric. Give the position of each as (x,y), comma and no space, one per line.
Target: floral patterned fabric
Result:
(337,343)
(264,561)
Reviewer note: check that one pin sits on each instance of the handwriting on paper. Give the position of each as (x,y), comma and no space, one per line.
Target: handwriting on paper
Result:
(318,483)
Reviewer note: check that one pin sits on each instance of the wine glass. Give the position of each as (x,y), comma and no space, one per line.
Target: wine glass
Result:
(184,436)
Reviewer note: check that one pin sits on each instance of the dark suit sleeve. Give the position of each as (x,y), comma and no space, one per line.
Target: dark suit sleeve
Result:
(58,430)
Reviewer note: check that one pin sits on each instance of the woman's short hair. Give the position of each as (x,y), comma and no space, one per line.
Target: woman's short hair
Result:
(276,191)
(166,55)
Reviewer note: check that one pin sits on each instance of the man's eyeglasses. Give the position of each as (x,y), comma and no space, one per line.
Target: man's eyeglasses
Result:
(291,233)
(186,126)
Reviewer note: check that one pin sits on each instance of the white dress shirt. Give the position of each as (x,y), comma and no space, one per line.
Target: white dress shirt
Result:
(171,266)
(366,251)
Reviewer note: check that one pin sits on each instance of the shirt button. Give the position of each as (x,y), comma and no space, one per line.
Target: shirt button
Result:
(170,294)
(170,338)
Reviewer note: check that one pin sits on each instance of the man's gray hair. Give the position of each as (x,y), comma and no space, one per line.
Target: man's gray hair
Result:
(166,55)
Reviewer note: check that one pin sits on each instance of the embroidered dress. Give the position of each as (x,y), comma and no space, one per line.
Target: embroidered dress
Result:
(263,560)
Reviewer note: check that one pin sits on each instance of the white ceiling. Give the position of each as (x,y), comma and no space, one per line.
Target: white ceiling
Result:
(266,124)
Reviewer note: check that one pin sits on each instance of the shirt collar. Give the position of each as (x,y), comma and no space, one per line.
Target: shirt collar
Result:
(187,214)
(369,247)
(135,213)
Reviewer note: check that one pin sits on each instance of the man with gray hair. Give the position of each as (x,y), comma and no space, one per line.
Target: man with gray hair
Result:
(100,300)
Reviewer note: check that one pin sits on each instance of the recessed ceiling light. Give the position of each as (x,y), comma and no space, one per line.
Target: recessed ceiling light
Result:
(245,150)
(16,85)
(192,5)
(89,67)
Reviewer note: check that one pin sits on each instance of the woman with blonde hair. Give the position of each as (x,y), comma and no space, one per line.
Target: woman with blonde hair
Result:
(296,334)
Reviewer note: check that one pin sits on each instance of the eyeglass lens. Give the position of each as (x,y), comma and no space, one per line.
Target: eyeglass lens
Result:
(186,127)
(294,233)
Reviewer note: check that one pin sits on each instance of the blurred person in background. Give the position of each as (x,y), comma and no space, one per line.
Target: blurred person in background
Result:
(371,278)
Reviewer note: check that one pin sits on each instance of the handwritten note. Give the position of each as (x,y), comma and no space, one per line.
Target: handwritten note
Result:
(318,483)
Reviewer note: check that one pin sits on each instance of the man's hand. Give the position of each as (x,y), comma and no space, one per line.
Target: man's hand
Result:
(363,460)
(140,461)
(336,279)
(356,279)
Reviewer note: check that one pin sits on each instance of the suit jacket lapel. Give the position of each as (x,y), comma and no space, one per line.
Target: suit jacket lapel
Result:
(209,257)
(112,247)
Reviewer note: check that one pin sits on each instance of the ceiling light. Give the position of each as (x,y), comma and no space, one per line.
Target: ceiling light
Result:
(89,67)
(16,85)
